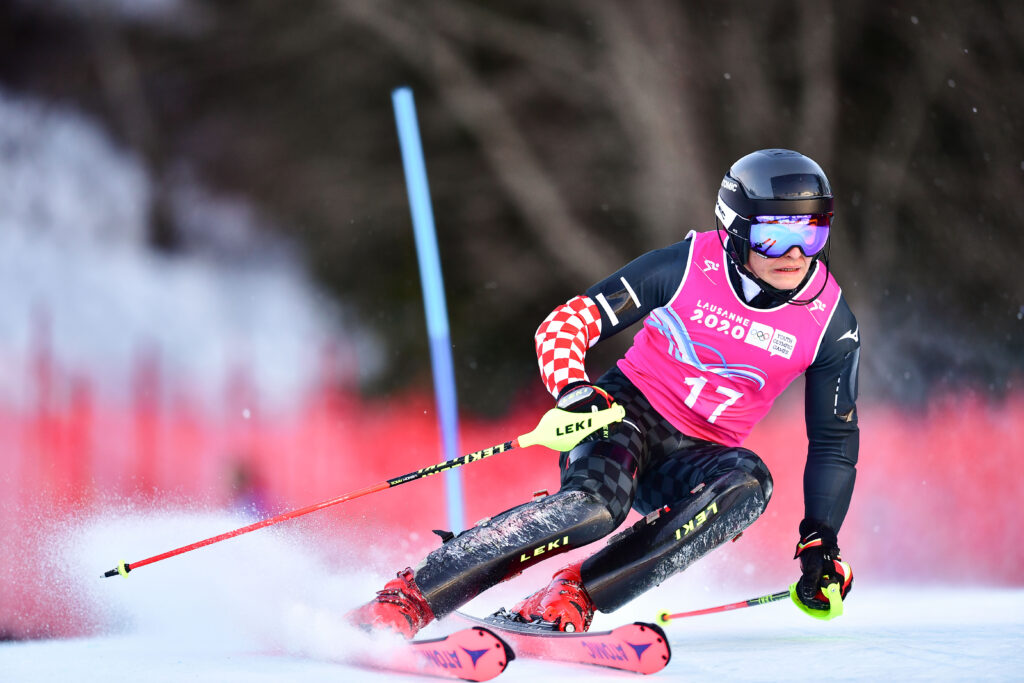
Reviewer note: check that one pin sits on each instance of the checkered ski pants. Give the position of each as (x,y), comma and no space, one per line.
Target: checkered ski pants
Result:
(668,465)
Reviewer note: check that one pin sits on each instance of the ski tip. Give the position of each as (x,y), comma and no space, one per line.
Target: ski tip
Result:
(663,616)
(469,654)
(488,654)
(654,627)
(661,640)
(509,652)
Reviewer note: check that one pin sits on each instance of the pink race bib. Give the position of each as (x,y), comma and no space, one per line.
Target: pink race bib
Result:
(713,365)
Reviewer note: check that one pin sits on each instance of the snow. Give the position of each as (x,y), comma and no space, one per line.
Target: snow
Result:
(268,606)
(887,634)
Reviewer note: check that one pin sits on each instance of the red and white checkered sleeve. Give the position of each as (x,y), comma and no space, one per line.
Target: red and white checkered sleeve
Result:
(562,341)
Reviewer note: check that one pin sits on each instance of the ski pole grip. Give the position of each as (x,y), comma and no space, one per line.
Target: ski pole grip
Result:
(561,430)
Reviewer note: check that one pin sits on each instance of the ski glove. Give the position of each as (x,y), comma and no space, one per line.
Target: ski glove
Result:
(583,397)
(825,579)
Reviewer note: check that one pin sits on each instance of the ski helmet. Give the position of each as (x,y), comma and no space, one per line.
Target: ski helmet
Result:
(771,184)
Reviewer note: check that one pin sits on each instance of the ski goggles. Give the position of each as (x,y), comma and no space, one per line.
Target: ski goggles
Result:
(773,236)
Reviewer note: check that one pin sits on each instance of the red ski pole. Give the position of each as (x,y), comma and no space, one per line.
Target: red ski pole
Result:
(664,617)
(558,429)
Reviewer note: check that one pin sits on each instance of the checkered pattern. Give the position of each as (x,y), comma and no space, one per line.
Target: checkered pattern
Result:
(670,464)
(562,341)
(608,479)
(673,480)
(647,435)
(595,465)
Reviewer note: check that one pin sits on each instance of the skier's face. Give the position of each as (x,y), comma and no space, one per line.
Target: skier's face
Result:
(785,272)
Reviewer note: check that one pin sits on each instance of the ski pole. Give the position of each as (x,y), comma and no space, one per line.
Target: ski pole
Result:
(664,617)
(558,430)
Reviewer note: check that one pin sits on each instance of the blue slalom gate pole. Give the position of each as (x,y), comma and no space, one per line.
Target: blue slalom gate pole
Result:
(433,297)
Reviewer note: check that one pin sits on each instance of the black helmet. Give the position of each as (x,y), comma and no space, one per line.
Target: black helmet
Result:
(769,182)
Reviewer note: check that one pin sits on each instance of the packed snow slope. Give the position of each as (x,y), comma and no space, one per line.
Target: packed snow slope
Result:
(268,606)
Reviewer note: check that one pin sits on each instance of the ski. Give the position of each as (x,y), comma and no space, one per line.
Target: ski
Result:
(470,654)
(639,647)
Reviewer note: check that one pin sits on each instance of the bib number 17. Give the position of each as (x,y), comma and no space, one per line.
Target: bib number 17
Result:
(697,384)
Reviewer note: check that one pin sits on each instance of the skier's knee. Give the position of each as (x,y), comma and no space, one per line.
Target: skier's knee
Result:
(607,471)
(731,459)
(753,465)
(669,540)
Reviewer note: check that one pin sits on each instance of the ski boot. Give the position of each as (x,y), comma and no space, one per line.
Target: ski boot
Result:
(563,604)
(399,607)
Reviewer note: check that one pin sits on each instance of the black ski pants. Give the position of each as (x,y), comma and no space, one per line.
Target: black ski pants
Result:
(694,494)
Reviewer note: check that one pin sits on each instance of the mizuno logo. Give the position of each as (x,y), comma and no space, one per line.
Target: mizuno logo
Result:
(851,334)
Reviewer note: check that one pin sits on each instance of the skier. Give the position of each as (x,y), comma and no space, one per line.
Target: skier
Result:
(731,317)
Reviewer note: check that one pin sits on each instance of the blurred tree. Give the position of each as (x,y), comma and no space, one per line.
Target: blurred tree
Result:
(564,139)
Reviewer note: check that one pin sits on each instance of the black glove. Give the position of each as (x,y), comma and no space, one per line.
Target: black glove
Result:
(583,397)
(823,572)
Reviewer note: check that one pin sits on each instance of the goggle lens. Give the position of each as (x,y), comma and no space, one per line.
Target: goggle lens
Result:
(773,236)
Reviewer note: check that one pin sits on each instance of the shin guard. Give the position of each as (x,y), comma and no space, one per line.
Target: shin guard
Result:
(506,544)
(656,548)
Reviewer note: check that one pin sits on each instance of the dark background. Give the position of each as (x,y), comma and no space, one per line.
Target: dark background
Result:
(563,139)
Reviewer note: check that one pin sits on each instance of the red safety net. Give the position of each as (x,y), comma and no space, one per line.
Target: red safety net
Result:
(937,497)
